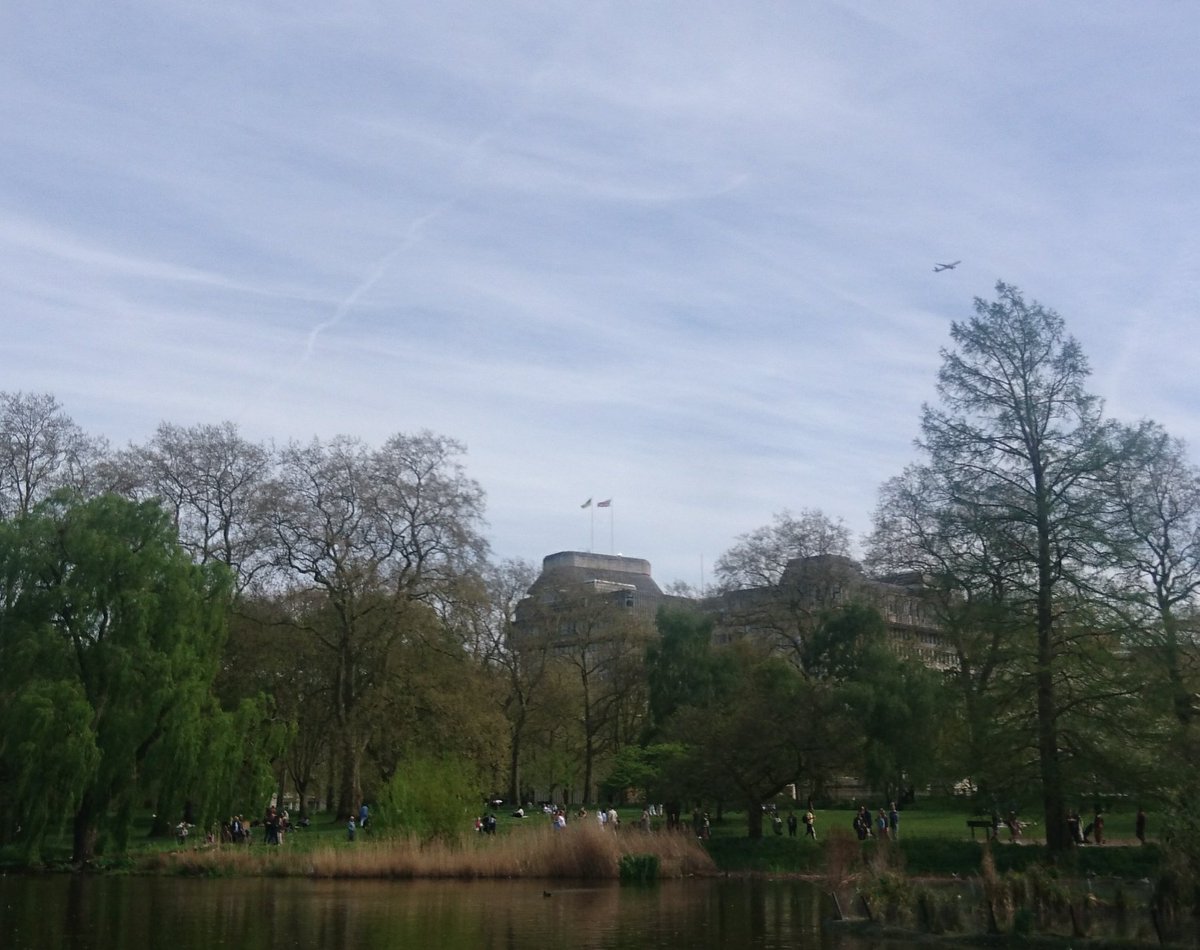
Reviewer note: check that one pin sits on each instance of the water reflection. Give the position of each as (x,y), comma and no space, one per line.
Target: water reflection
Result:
(112,913)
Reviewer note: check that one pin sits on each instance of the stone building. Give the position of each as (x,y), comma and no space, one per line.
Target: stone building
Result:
(810,586)
(587,619)
(785,612)
(590,616)
(569,576)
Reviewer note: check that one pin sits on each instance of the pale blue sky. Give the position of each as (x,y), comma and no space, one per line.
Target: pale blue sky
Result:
(677,254)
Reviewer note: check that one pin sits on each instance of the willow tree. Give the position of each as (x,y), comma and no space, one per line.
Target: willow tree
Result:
(1020,451)
(109,640)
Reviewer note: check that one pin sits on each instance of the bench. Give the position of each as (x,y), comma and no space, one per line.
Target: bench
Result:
(988,826)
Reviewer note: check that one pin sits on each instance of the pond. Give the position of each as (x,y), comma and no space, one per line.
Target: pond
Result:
(167,913)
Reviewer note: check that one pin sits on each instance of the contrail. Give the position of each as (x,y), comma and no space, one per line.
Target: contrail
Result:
(470,154)
(411,236)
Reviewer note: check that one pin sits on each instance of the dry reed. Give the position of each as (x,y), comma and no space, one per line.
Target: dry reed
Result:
(581,852)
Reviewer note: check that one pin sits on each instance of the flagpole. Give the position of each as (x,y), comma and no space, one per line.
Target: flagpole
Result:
(607,503)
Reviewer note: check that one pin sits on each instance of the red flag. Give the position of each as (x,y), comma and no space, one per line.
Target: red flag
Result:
(607,503)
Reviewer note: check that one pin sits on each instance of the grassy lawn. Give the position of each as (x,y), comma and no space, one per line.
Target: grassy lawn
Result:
(934,839)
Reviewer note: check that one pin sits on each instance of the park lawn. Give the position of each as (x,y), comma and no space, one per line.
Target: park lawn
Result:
(934,839)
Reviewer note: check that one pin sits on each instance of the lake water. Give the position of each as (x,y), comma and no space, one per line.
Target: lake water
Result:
(162,913)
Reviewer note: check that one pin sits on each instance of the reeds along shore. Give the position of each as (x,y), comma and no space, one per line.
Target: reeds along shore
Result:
(578,852)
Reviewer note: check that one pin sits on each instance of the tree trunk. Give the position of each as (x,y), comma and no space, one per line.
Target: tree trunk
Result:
(350,791)
(302,795)
(85,833)
(754,819)
(1054,807)
(280,787)
(1053,804)
(587,770)
(514,770)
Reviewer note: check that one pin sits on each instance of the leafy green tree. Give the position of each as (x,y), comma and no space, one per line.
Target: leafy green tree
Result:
(682,669)
(682,665)
(430,797)
(1020,448)
(280,669)
(439,702)
(602,650)
(652,769)
(771,726)
(894,701)
(967,571)
(109,641)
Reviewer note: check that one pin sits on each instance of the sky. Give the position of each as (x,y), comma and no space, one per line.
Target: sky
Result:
(674,254)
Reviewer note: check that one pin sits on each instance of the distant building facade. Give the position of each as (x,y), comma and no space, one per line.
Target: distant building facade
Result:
(569,576)
(810,586)
(592,615)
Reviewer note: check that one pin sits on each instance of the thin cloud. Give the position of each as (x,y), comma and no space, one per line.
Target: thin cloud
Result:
(677,254)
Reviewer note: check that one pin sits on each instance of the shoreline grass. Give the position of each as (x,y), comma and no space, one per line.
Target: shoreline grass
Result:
(579,852)
(934,841)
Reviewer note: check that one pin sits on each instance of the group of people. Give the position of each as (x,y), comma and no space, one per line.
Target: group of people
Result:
(885,825)
(275,825)
(364,818)
(793,824)
(607,818)
(486,824)
(1093,830)
(236,830)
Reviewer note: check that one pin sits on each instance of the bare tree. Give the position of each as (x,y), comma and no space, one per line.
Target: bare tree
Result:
(1156,495)
(601,643)
(760,557)
(370,540)
(41,450)
(522,659)
(779,579)
(214,484)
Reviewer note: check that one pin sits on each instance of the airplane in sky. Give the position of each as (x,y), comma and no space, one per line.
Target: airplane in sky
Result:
(938,268)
